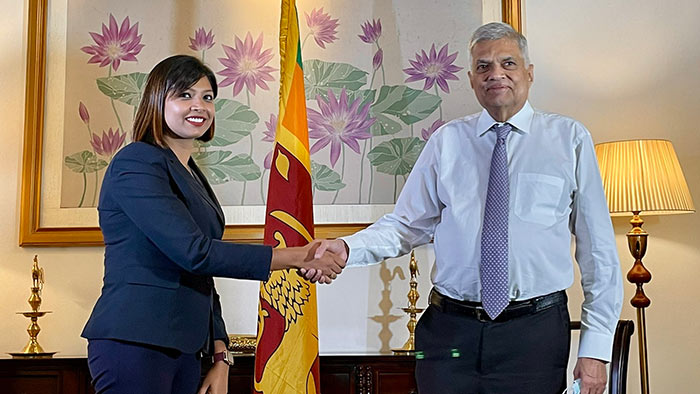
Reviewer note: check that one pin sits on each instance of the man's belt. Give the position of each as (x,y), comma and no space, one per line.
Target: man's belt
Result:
(513,310)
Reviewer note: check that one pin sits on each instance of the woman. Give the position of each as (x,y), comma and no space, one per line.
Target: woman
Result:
(162,228)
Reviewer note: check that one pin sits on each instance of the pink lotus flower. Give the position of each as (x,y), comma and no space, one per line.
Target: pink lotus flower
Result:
(270,132)
(202,40)
(110,142)
(339,122)
(426,133)
(371,31)
(434,68)
(246,65)
(116,43)
(323,28)
(84,114)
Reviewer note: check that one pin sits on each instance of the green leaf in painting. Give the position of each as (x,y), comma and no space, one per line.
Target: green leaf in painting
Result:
(234,121)
(220,167)
(84,162)
(324,178)
(384,125)
(366,95)
(396,156)
(126,88)
(409,105)
(320,76)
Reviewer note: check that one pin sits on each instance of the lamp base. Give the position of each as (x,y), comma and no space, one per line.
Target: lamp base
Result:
(642,336)
(639,275)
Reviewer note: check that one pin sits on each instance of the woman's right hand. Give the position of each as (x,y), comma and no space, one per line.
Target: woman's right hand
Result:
(326,265)
(338,247)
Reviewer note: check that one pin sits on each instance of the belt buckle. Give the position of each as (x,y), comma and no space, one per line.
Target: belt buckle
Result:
(481,315)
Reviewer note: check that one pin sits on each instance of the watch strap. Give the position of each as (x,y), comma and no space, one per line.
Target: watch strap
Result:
(224,356)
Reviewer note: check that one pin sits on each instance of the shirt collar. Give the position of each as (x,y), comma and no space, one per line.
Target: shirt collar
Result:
(520,121)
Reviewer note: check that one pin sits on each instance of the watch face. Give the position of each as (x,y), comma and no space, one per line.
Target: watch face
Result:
(225,356)
(228,357)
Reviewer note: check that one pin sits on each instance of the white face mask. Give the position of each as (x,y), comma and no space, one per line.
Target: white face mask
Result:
(575,388)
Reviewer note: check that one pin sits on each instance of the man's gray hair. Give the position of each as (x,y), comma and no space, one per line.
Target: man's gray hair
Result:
(495,31)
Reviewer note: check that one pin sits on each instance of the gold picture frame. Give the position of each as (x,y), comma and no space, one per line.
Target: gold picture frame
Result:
(31,231)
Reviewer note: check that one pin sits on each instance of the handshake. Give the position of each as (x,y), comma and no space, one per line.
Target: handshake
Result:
(319,261)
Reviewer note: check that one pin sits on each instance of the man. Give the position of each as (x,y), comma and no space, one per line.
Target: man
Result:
(500,193)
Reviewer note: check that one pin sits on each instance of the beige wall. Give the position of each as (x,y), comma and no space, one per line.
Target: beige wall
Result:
(625,73)
(628,70)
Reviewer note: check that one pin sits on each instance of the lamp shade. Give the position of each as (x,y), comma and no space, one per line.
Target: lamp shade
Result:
(643,176)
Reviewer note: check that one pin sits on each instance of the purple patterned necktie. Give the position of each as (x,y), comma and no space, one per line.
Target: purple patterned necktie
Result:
(494,233)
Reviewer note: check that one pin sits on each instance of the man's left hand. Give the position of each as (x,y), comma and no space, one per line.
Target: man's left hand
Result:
(593,375)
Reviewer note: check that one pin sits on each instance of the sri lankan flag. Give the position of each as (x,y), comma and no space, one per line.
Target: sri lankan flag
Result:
(286,357)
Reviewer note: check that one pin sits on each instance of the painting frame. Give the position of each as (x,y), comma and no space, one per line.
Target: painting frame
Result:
(31,231)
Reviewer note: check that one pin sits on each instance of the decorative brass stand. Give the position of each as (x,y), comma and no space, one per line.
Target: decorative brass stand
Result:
(639,275)
(33,349)
(410,346)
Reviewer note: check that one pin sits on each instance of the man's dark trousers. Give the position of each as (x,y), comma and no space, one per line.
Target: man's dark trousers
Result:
(461,354)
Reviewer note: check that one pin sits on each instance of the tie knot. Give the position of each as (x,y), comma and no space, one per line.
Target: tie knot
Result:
(502,130)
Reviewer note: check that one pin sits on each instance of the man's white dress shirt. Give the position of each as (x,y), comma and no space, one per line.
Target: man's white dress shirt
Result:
(555,191)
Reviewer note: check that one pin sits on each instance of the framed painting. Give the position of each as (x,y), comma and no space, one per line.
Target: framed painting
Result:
(370,77)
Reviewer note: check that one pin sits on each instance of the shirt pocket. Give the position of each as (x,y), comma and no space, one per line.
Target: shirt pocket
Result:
(537,198)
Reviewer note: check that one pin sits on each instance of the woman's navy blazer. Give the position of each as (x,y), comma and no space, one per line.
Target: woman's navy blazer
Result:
(162,230)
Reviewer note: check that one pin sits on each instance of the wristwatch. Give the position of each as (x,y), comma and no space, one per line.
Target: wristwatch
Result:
(224,356)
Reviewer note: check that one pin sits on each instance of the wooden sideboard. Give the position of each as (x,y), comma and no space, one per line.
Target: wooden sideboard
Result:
(340,374)
(45,376)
